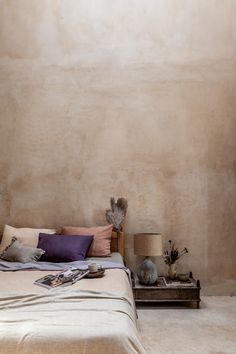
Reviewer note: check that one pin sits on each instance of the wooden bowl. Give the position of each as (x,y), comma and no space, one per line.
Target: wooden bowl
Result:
(97,274)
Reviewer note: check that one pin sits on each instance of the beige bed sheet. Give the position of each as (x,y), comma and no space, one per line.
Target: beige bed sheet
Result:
(93,316)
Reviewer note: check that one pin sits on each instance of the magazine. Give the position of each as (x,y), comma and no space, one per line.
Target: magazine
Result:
(68,276)
(177,283)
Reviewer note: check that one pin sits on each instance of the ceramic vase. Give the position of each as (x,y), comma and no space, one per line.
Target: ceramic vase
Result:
(172,272)
(147,272)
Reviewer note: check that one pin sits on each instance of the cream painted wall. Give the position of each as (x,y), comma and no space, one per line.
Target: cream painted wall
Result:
(129,98)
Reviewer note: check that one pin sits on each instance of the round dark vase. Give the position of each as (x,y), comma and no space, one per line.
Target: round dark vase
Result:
(147,272)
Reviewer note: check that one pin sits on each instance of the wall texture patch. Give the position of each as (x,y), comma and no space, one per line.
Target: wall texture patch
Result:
(123,98)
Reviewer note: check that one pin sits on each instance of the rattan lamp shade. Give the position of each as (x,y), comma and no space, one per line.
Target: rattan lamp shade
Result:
(148,244)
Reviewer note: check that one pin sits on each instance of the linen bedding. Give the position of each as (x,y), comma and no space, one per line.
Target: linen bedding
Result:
(93,316)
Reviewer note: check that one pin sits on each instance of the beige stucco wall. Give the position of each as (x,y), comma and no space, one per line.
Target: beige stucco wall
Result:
(129,98)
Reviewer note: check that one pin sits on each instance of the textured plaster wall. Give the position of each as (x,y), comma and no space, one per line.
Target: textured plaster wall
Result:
(129,98)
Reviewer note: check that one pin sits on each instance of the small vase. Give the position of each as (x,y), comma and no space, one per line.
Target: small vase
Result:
(172,272)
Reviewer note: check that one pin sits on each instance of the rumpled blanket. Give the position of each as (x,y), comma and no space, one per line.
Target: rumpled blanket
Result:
(68,322)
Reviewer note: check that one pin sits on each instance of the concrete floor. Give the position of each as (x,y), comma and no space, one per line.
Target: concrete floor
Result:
(185,330)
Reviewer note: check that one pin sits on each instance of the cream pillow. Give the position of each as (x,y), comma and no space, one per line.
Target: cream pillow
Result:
(25,235)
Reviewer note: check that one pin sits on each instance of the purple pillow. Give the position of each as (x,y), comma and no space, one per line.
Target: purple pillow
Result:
(64,248)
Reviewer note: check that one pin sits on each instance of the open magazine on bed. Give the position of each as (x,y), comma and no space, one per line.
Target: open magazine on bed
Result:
(68,276)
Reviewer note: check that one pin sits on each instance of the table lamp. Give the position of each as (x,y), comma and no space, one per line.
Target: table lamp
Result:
(147,244)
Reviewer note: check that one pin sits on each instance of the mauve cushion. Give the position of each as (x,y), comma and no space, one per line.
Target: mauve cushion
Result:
(101,245)
(61,248)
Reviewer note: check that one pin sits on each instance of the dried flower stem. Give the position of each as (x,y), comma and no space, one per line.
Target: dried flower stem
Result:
(172,254)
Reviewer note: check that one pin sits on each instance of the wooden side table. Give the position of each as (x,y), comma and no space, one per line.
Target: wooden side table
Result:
(159,292)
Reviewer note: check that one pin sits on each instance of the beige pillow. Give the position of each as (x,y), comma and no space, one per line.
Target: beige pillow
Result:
(101,244)
(25,235)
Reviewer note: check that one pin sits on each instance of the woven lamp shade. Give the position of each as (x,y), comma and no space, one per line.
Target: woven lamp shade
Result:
(148,244)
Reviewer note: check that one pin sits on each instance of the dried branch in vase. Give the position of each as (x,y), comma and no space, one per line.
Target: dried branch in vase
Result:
(172,254)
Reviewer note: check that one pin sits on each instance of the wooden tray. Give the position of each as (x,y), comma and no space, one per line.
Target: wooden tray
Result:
(97,274)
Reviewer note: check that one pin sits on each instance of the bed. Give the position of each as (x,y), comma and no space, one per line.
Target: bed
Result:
(93,316)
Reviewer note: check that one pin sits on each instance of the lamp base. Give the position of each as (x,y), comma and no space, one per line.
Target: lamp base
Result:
(147,272)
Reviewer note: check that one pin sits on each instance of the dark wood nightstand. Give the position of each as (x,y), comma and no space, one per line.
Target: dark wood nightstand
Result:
(160,292)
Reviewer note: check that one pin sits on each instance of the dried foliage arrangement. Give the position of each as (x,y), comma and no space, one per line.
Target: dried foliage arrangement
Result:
(116,214)
(172,254)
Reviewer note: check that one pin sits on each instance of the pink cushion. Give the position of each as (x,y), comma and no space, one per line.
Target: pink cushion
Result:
(101,244)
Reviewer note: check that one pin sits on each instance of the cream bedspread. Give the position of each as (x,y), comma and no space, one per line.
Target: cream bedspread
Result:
(93,316)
